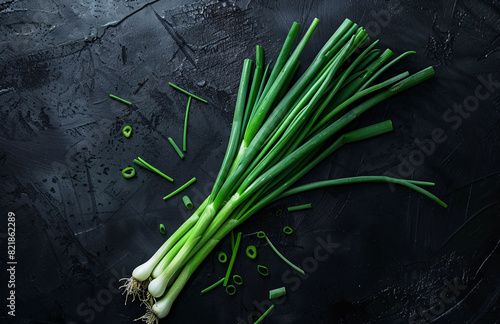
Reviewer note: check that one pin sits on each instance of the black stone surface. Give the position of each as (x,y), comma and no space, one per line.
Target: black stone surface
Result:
(395,257)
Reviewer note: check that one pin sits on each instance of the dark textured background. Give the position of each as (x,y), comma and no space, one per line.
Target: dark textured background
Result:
(81,226)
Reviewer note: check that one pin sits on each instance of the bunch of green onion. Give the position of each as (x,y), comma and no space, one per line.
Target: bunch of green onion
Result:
(283,126)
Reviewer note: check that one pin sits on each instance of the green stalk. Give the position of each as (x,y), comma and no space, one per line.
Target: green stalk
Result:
(234,137)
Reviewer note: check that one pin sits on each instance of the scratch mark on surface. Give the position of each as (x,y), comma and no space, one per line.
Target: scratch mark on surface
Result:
(467,222)
(181,43)
(141,84)
(91,192)
(67,228)
(89,230)
(470,189)
(487,258)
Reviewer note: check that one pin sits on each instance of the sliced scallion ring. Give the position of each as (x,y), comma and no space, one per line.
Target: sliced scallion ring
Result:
(128,172)
(222,257)
(251,252)
(237,279)
(230,289)
(263,270)
(162,229)
(187,202)
(287,230)
(127,131)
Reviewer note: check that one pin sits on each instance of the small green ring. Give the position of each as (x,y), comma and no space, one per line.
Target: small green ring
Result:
(287,230)
(162,229)
(263,270)
(128,172)
(251,252)
(237,279)
(127,131)
(279,212)
(230,289)
(222,257)
(261,234)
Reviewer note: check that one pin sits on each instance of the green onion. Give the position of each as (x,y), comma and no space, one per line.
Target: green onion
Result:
(230,289)
(263,270)
(151,168)
(237,279)
(251,252)
(233,257)
(162,229)
(279,133)
(300,207)
(128,172)
(213,286)
(222,257)
(188,93)
(120,99)
(184,137)
(184,186)
(265,314)
(187,202)
(287,230)
(176,148)
(281,255)
(276,293)
(279,212)
(127,131)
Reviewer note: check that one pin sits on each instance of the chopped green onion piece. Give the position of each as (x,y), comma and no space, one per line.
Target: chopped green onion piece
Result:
(264,315)
(222,257)
(263,270)
(300,207)
(128,172)
(251,252)
(162,229)
(127,131)
(176,148)
(188,93)
(187,202)
(184,137)
(120,99)
(237,279)
(279,212)
(287,230)
(212,286)
(184,186)
(261,234)
(151,168)
(233,257)
(278,292)
(280,255)
(230,289)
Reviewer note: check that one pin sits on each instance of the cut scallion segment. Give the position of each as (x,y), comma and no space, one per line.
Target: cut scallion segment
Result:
(263,270)
(188,93)
(233,257)
(127,131)
(213,286)
(162,229)
(281,255)
(128,172)
(287,230)
(184,186)
(237,279)
(176,148)
(276,293)
(184,137)
(151,168)
(222,257)
(251,252)
(187,202)
(265,314)
(230,289)
(299,207)
(120,99)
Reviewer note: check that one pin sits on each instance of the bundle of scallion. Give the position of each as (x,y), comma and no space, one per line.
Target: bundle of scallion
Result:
(280,131)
